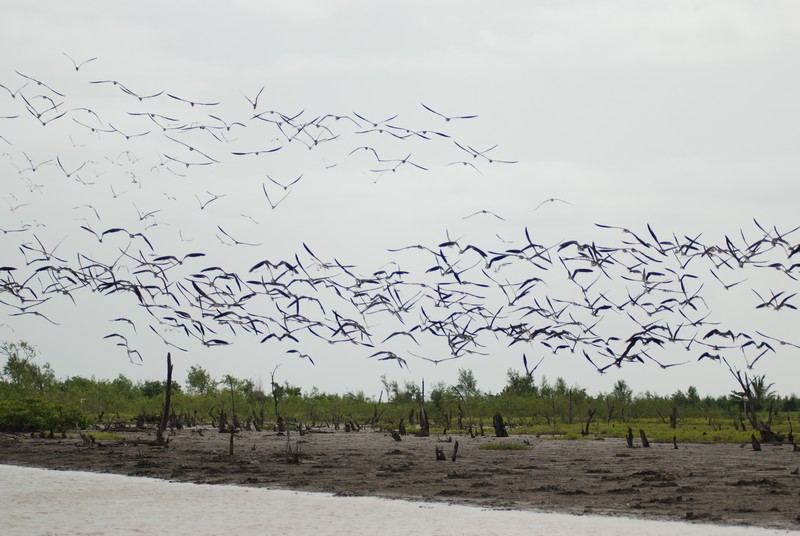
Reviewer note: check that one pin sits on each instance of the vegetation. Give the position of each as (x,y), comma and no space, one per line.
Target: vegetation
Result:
(32,399)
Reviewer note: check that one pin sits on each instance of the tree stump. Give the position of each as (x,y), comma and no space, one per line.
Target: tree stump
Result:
(629,437)
(755,442)
(645,442)
(402,427)
(455,451)
(440,457)
(396,435)
(424,426)
(499,425)
(675,442)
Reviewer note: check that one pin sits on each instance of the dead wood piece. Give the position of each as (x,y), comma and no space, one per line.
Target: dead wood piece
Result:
(455,451)
(440,457)
(675,442)
(629,437)
(499,425)
(645,442)
(396,435)
(755,442)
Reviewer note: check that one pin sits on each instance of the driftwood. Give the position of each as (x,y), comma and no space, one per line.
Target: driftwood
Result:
(396,435)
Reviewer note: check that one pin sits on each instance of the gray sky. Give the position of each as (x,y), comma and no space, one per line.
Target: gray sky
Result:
(681,115)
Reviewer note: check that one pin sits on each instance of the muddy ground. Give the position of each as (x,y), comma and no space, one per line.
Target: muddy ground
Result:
(723,483)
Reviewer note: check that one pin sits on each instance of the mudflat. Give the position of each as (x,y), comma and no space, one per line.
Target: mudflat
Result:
(716,483)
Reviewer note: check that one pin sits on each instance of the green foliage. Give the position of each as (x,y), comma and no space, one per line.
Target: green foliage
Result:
(35,414)
(519,384)
(33,399)
(199,381)
(154,389)
(467,385)
(21,372)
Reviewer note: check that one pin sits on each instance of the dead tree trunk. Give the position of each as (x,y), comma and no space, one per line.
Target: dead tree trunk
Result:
(570,400)
(610,409)
(585,432)
(165,414)
(499,426)
(424,426)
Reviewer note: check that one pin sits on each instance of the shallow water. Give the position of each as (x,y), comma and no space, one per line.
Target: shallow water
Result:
(42,501)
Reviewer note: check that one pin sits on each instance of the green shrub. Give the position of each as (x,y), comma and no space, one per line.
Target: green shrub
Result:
(35,414)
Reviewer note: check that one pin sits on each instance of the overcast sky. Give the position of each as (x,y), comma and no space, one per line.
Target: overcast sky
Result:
(680,115)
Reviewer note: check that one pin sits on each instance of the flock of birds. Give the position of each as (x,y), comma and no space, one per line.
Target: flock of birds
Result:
(621,298)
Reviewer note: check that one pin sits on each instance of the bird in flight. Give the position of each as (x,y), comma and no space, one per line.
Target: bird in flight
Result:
(484,212)
(448,117)
(75,63)
(551,200)
(254,102)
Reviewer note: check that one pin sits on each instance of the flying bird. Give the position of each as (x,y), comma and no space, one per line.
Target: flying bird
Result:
(76,64)
(448,117)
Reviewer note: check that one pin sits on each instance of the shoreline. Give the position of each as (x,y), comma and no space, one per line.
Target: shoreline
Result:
(712,483)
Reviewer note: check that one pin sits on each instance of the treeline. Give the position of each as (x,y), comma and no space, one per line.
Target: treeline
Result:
(32,398)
